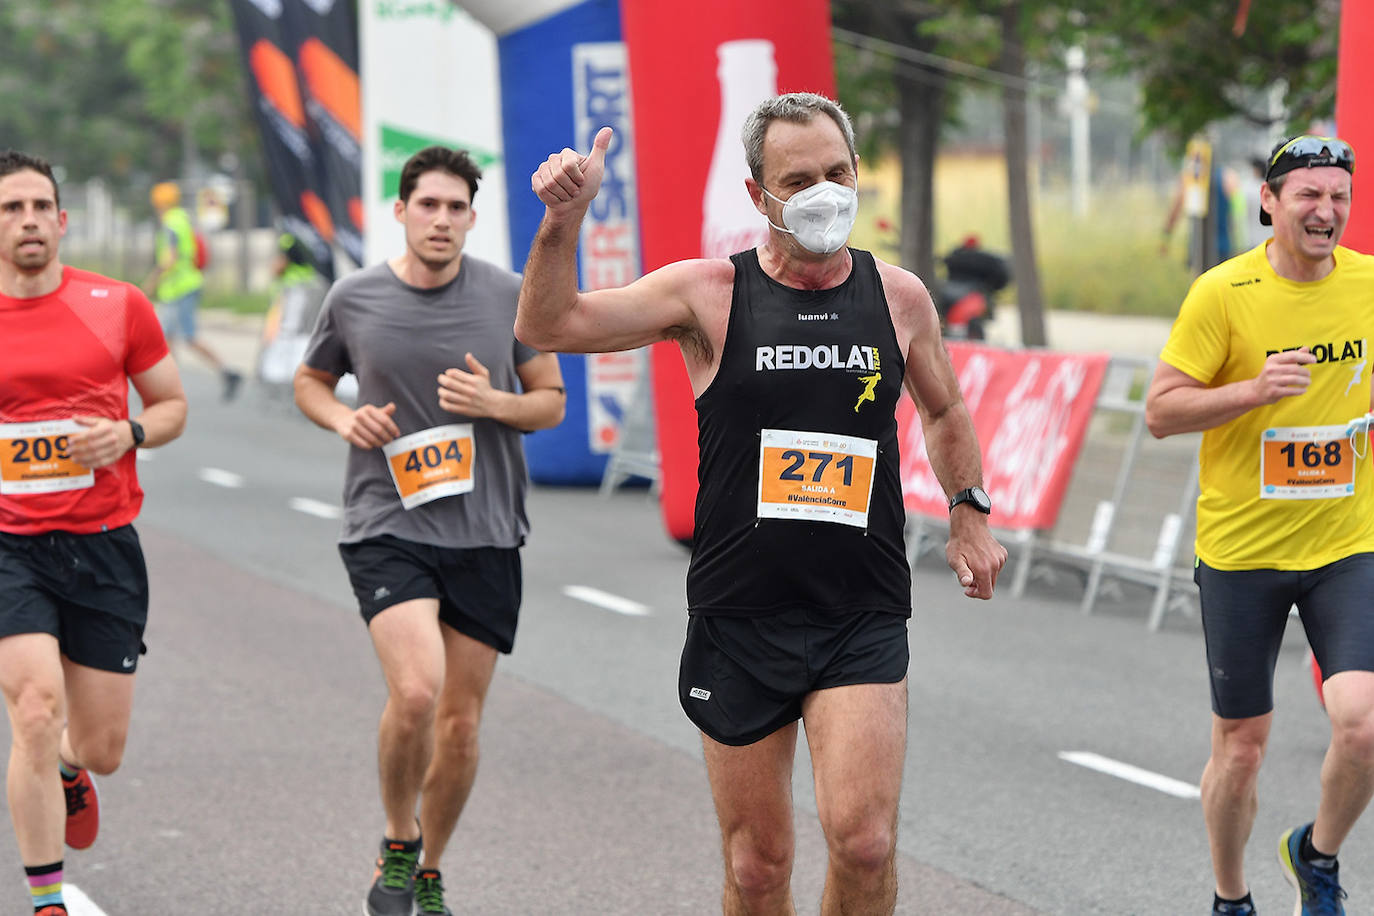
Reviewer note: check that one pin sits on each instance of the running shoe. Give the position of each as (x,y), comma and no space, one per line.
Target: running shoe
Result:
(232,380)
(83,809)
(429,894)
(52,909)
(393,884)
(1232,909)
(1319,889)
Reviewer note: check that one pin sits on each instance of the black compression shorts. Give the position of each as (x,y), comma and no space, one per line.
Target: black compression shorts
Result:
(1245,612)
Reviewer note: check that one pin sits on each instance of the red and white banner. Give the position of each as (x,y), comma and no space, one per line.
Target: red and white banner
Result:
(1030,409)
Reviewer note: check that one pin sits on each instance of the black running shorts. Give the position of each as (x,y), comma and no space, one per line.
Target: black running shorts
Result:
(1244,613)
(478,588)
(88,590)
(743,678)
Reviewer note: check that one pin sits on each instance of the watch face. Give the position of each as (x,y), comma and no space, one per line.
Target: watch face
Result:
(980,498)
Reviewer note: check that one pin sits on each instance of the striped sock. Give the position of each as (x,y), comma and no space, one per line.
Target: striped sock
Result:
(45,884)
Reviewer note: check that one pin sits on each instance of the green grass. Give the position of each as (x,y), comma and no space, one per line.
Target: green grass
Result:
(1108,261)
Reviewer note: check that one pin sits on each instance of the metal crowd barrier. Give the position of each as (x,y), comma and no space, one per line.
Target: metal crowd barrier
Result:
(1134,525)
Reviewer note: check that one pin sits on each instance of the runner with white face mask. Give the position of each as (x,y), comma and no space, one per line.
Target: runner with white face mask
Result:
(798,590)
(820,217)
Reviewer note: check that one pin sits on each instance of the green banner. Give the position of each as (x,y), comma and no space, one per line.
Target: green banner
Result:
(399,145)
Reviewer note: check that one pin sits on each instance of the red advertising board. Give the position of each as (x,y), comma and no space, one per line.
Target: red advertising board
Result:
(1031,410)
(693,78)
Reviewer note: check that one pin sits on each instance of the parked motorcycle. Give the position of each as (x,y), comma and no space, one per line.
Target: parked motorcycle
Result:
(964,299)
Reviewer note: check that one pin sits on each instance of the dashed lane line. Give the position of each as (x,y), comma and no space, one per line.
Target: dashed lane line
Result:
(78,904)
(221,478)
(1165,784)
(314,507)
(606,600)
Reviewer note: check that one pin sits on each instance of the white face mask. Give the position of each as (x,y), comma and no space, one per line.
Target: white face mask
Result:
(819,217)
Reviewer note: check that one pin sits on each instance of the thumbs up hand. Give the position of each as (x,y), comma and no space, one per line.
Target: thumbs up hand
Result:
(567,181)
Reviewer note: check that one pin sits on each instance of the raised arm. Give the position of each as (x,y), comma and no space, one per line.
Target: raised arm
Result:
(553,316)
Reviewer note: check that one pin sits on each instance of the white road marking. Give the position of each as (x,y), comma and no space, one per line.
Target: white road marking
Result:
(1165,784)
(607,600)
(78,904)
(314,507)
(220,477)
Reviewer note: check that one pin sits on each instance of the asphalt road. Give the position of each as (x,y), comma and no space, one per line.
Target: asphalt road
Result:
(249,782)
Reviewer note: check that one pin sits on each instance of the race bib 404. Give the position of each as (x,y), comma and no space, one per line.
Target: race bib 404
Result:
(432,463)
(816,477)
(1306,462)
(34,458)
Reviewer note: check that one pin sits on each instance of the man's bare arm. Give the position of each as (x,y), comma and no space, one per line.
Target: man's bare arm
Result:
(951,442)
(369,426)
(539,405)
(552,315)
(1178,403)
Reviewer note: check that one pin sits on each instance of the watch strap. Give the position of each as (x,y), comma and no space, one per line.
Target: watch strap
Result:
(970,496)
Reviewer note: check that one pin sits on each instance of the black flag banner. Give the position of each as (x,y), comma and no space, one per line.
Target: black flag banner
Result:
(301,59)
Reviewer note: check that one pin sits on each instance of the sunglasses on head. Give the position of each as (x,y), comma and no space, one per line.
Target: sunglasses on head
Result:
(1310,152)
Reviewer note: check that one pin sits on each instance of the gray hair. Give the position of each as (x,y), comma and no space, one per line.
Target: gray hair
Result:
(797,108)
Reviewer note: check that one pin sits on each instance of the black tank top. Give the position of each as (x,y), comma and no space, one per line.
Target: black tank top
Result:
(806,390)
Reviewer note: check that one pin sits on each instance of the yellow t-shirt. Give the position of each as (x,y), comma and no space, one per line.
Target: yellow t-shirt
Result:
(1280,485)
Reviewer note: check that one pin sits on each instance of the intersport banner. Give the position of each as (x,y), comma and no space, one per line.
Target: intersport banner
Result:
(429,78)
(300,57)
(564,76)
(695,75)
(1030,409)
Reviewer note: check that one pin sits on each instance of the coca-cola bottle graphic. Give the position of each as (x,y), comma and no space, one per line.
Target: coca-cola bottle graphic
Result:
(729,221)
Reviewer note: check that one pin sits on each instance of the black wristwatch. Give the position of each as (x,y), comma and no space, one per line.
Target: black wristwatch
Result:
(974,496)
(136,428)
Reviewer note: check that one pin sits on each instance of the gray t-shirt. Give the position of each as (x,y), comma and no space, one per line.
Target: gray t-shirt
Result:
(397,339)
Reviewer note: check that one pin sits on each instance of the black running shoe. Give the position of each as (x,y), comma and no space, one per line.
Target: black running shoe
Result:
(429,894)
(393,884)
(1244,907)
(232,380)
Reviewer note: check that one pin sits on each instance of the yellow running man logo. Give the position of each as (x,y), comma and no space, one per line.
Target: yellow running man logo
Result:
(870,382)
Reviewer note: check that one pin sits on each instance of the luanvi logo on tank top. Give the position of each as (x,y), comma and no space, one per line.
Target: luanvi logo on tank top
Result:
(862,360)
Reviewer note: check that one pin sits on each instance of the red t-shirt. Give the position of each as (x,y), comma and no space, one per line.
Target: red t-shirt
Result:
(70,353)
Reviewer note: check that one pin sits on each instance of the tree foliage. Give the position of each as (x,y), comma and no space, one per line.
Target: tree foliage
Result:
(1194,63)
(122,89)
(933,45)
(1194,69)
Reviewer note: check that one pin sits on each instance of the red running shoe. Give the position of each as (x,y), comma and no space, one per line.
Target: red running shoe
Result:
(83,809)
(55,909)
